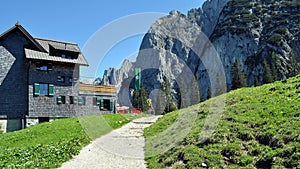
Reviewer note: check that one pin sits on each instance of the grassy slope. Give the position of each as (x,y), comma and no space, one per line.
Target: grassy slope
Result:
(258,129)
(48,145)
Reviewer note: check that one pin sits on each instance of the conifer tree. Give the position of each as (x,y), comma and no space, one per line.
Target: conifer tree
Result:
(208,93)
(140,98)
(166,88)
(256,82)
(238,76)
(267,76)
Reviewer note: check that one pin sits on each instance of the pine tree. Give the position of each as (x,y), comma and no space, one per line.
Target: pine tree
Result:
(208,93)
(144,97)
(267,76)
(139,99)
(239,79)
(221,84)
(274,66)
(256,82)
(166,88)
(182,92)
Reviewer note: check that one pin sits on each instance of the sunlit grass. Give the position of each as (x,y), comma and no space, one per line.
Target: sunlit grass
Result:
(259,128)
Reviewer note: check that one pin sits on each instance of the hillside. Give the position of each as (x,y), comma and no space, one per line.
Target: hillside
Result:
(259,128)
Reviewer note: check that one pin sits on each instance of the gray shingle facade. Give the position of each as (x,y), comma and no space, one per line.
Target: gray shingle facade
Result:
(39,81)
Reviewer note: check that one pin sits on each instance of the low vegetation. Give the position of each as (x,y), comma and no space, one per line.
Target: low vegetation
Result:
(259,128)
(48,145)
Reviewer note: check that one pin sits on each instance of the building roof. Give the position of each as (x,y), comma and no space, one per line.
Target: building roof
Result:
(36,55)
(60,45)
(20,27)
(44,48)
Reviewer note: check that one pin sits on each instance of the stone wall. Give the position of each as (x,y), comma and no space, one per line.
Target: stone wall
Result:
(47,106)
(13,80)
(13,88)
(90,108)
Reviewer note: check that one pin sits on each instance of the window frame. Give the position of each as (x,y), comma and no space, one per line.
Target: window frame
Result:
(43,89)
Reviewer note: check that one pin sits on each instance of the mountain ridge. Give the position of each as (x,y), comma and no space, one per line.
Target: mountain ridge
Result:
(251,33)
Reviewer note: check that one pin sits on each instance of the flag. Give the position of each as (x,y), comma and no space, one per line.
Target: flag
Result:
(138,78)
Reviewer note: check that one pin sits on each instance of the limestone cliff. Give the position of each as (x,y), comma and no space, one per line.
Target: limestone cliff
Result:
(250,32)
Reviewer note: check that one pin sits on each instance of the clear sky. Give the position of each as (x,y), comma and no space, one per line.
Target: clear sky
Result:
(77,20)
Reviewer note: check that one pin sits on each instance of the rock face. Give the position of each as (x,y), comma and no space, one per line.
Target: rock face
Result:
(252,32)
(248,32)
(207,16)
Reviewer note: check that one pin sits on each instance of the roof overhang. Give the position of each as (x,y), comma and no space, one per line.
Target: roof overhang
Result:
(36,55)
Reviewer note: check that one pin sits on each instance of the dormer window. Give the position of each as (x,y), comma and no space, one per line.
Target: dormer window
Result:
(63,52)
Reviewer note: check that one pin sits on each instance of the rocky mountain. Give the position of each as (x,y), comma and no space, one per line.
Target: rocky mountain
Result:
(254,31)
(195,52)
(207,16)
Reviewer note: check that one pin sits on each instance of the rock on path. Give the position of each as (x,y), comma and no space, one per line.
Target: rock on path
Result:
(121,148)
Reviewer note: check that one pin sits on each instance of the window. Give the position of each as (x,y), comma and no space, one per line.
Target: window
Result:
(81,100)
(43,119)
(43,66)
(58,100)
(49,67)
(71,98)
(63,55)
(61,99)
(70,79)
(61,79)
(44,89)
(106,105)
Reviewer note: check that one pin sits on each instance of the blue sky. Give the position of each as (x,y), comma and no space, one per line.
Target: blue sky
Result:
(77,20)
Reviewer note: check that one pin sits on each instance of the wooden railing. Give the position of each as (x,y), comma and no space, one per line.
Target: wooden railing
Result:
(97,88)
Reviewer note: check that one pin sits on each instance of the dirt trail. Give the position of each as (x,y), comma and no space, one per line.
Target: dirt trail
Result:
(121,148)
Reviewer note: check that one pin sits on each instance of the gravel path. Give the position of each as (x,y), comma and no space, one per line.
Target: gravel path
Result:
(121,148)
